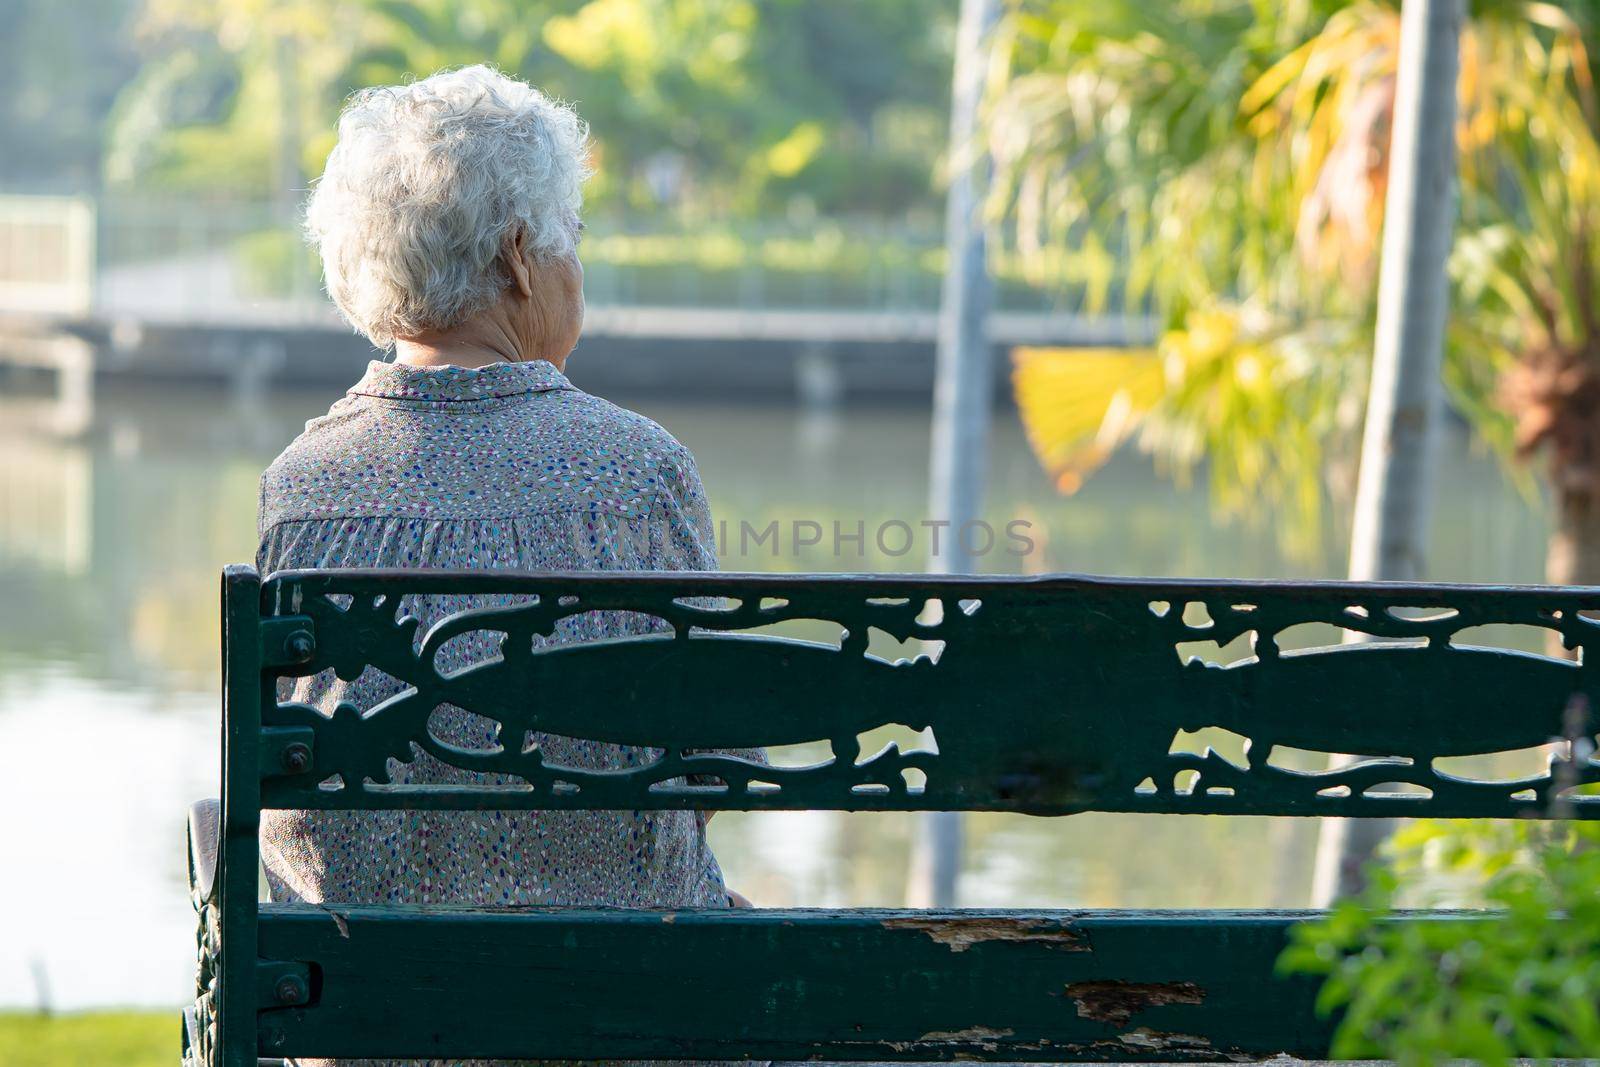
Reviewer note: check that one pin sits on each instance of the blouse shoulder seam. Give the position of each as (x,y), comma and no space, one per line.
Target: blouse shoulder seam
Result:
(674,458)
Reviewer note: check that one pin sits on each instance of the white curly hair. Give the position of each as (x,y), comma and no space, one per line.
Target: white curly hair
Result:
(424,186)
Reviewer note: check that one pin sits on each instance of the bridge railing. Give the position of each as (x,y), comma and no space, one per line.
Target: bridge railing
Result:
(205,260)
(47,254)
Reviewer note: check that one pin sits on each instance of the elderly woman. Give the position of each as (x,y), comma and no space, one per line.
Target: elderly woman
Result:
(447,220)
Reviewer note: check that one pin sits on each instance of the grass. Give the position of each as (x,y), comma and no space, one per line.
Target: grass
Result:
(94,1039)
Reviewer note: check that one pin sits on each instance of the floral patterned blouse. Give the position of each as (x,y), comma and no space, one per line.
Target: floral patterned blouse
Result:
(504,467)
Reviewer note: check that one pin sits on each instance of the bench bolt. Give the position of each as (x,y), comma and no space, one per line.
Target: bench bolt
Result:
(299,645)
(290,990)
(296,757)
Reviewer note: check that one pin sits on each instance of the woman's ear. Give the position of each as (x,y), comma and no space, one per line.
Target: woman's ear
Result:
(517,265)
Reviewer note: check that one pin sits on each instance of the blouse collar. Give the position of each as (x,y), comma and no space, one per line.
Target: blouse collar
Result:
(403,381)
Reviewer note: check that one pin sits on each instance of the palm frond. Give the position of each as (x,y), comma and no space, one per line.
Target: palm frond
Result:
(1233,157)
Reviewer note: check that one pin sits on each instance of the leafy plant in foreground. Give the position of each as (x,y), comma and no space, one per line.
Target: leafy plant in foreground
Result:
(1521,979)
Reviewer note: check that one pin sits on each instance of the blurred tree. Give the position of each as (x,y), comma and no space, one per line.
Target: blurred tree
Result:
(870,89)
(748,103)
(228,94)
(1127,163)
(717,106)
(1233,154)
(61,65)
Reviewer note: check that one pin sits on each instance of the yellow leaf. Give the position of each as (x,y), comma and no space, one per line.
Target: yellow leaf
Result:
(1078,404)
(795,152)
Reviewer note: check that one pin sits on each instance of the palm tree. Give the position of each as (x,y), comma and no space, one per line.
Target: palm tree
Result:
(1262,370)
(1234,155)
(1120,138)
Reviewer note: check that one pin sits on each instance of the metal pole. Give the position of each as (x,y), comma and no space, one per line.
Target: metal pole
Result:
(963,388)
(1394,496)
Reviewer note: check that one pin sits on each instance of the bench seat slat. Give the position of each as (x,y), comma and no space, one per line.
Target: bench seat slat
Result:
(790,985)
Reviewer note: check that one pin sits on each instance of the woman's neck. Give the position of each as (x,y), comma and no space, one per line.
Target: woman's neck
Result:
(480,342)
(448,353)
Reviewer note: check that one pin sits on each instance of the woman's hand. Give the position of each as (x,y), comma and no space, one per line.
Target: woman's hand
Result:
(739,900)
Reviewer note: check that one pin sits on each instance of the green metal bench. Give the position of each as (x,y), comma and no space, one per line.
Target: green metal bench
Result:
(1048,696)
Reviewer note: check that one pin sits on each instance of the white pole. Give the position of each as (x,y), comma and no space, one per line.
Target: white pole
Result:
(1394,496)
(963,388)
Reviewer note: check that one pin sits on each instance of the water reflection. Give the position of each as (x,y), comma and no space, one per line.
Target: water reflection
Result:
(110,547)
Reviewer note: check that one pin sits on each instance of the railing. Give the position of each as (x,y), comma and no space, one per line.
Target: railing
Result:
(47,254)
(208,261)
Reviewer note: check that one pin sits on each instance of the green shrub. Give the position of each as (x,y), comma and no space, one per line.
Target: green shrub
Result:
(1517,977)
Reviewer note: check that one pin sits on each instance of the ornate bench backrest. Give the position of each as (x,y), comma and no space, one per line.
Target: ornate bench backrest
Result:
(1047,696)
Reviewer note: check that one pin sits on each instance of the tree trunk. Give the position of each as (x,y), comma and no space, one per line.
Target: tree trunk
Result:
(1388,539)
(1574,554)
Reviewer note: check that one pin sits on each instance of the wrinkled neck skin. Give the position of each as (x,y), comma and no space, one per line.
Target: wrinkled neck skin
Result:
(538,316)
(485,339)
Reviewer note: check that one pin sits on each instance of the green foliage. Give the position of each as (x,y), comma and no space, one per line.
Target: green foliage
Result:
(98,1039)
(230,96)
(1518,981)
(714,107)
(276,263)
(1119,128)
(1126,154)
(1230,158)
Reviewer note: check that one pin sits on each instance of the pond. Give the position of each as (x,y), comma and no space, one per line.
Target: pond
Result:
(110,547)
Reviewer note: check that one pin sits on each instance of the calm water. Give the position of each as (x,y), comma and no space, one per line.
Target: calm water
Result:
(110,546)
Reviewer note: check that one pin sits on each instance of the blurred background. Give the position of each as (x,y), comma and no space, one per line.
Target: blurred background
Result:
(1180,216)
